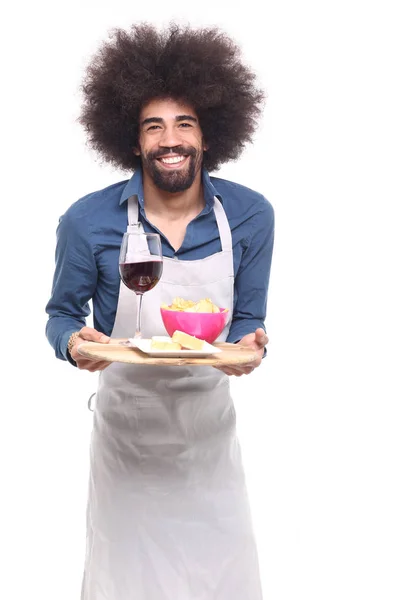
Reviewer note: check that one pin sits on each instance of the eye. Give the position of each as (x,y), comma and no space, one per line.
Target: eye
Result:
(184,125)
(152,127)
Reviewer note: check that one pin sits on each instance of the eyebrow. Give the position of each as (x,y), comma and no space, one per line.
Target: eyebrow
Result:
(160,120)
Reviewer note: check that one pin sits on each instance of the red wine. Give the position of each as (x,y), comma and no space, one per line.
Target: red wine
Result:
(141,276)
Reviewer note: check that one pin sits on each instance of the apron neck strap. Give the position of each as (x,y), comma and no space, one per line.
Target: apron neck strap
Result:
(133,215)
(220,216)
(223,226)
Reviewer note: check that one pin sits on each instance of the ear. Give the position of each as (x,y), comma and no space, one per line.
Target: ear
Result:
(136,151)
(205,147)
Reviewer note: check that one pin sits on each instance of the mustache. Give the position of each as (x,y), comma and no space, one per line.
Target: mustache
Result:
(178,150)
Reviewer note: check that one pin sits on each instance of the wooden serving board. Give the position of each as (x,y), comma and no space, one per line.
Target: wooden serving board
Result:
(232,354)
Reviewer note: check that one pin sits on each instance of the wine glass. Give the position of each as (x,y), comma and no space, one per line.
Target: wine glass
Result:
(140,266)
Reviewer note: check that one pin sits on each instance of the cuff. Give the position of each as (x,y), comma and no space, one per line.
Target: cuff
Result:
(64,347)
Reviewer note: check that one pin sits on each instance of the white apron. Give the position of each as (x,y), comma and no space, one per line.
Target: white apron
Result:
(168,515)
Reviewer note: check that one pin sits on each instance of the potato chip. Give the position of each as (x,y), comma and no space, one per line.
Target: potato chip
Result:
(205,305)
(181,304)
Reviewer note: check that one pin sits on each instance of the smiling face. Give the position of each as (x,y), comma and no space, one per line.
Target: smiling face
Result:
(170,144)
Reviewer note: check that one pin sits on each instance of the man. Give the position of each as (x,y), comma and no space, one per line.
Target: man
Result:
(168,515)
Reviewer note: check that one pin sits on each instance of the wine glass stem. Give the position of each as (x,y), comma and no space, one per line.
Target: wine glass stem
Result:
(138,333)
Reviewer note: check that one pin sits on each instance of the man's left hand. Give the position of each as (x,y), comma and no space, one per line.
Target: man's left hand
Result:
(256,341)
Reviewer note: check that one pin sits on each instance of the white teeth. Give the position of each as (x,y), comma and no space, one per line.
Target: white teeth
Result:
(172,160)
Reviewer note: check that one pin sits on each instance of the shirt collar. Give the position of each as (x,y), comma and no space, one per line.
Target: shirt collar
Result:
(134,187)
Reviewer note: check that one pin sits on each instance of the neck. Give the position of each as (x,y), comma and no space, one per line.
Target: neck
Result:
(173,205)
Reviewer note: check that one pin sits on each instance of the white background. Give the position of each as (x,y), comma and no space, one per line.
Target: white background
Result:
(319,421)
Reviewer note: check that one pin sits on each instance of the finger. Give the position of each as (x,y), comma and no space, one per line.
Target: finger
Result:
(78,357)
(261,337)
(81,358)
(236,372)
(99,366)
(92,365)
(247,370)
(92,335)
(257,361)
(225,370)
(85,363)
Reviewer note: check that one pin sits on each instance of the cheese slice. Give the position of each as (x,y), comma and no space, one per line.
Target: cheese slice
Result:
(187,341)
(158,345)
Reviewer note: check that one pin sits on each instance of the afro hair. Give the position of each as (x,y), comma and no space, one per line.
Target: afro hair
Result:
(201,67)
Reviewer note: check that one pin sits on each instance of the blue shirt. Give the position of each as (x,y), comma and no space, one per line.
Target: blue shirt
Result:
(89,236)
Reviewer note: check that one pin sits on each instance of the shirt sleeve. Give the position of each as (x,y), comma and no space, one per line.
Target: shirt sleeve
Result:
(74,282)
(252,279)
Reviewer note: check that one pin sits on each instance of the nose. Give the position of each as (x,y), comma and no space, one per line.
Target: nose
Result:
(170,137)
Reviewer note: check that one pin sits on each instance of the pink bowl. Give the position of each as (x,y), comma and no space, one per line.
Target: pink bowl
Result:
(204,326)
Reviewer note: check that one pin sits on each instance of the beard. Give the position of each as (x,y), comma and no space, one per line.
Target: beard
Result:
(173,181)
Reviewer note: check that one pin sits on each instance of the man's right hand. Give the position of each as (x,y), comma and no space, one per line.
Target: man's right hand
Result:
(89,335)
